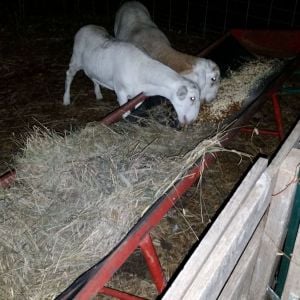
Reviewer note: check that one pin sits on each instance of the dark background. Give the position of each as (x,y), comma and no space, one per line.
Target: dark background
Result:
(182,16)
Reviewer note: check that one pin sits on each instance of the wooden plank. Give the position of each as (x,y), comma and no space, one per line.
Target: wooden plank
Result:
(198,258)
(291,141)
(214,273)
(237,287)
(292,284)
(276,226)
(189,272)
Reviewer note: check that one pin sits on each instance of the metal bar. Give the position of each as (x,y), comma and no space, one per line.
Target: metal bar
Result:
(212,46)
(277,115)
(118,294)
(117,114)
(153,263)
(270,13)
(7,179)
(260,131)
(290,91)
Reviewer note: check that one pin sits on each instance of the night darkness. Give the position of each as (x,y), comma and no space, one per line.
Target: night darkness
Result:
(193,16)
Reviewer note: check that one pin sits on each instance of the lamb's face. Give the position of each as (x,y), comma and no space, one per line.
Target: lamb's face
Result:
(186,102)
(208,78)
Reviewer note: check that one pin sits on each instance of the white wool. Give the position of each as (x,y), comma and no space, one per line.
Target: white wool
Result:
(122,67)
(133,24)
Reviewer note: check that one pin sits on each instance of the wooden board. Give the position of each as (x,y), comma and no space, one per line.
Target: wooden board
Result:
(292,284)
(237,287)
(214,273)
(206,272)
(225,225)
(291,141)
(276,226)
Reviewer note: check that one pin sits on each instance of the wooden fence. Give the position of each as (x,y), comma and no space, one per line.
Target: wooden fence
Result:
(238,256)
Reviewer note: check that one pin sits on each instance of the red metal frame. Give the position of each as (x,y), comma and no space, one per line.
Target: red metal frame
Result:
(276,43)
(278,120)
(152,217)
(116,115)
(92,282)
(153,263)
(7,179)
(118,294)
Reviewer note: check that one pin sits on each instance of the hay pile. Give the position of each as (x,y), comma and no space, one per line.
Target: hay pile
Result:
(76,197)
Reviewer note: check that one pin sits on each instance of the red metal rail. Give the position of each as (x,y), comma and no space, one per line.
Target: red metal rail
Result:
(7,179)
(277,117)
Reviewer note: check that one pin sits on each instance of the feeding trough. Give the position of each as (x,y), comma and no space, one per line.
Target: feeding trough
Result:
(93,280)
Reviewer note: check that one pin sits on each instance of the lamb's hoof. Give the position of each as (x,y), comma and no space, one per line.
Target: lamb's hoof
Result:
(125,115)
(66,101)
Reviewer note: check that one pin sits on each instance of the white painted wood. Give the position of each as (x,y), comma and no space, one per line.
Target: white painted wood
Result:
(291,141)
(237,287)
(207,245)
(205,273)
(292,284)
(214,273)
(276,226)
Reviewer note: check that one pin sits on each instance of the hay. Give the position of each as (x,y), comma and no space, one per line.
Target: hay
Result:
(77,196)
(237,87)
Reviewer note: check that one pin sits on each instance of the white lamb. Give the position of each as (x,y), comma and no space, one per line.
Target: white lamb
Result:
(133,24)
(122,67)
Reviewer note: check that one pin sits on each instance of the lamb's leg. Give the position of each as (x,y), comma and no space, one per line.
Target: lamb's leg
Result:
(97,91)
(138,105)
(122,99)
(73,69)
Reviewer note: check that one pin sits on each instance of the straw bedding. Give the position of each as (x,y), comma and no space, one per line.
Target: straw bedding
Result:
(77,195)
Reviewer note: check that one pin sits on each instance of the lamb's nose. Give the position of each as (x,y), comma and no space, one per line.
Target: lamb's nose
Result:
(185,120)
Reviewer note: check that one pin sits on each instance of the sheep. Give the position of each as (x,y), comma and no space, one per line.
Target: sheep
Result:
(133,24)
(122,67)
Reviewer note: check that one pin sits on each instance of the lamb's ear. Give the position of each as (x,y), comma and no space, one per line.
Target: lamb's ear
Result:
(182,92)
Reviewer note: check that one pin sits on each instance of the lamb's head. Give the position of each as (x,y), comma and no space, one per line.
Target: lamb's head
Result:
(207,74)
(186,101)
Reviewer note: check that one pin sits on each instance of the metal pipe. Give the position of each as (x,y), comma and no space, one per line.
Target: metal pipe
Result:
(7,179)
(118,294)
(277,114)
(117,114)
(260,131)
(153,263)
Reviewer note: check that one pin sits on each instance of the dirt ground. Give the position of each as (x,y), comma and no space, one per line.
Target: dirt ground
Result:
(33,61)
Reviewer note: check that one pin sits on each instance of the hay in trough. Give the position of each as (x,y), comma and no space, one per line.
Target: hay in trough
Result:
(237,90)
(76,196)
(238,86)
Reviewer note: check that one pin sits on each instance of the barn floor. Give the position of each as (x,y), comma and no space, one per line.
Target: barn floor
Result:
(34,58)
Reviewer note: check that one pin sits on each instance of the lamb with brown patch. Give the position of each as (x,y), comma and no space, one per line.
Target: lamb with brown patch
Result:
(124,68)
(134,24)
